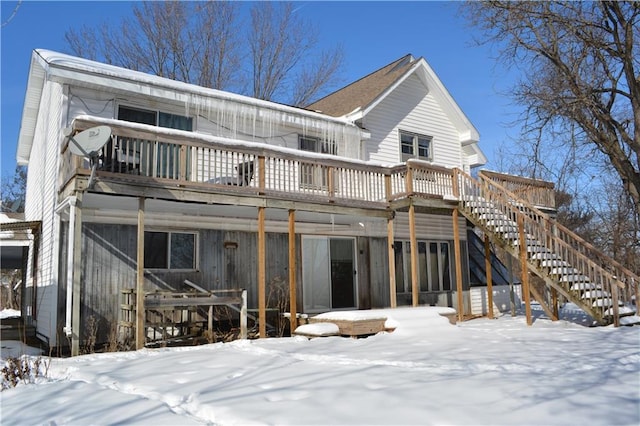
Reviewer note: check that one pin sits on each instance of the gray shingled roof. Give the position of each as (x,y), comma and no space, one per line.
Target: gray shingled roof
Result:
(363,92)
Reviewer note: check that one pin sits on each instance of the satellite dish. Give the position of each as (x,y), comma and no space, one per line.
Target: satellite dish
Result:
(88,142)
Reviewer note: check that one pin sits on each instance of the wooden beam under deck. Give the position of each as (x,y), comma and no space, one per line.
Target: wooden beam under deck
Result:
(208,194)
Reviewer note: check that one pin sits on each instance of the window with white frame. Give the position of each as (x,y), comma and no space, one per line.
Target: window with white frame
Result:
(314,176)
(414,145)
(170,250)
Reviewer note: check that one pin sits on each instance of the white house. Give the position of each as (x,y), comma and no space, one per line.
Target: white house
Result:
(356,202)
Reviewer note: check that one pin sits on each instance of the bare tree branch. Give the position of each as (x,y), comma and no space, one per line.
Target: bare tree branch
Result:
(580,64)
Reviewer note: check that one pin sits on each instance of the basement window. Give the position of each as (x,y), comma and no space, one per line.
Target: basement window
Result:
(170,250)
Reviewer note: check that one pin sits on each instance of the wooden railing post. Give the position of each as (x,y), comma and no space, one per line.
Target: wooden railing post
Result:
(183,162)
(388,191)
(262,178)
(409,180)
(455,179)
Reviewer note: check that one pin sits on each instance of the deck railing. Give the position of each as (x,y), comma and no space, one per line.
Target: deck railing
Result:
(536,192)
(611,278)
(165,156)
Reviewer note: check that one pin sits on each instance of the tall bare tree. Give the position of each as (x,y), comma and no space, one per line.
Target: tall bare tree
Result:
(580,63)
(281,42)
(206,43)
(195,42)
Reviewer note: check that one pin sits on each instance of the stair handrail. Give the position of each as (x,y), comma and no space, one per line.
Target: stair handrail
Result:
(581,241)
(538,222)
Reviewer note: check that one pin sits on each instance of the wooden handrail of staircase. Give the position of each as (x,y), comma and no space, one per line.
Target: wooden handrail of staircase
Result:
(604,273)
(571,237)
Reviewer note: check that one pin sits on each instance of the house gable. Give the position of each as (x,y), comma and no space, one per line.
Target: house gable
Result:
(411,107)
(380,98)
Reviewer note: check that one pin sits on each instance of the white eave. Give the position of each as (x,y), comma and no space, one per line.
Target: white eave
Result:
(67,69)
(467,131)
(35,85)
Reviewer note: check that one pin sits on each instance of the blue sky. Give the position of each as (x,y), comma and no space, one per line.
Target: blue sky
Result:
(373,34)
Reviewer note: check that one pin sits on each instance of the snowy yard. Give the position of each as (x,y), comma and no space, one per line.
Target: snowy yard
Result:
(480,372)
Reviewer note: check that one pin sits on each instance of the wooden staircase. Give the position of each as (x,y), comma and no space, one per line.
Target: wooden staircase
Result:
(567,264)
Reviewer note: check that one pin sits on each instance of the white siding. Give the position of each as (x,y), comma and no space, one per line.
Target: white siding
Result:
(41,198)
(428,226)
(501,299)
(90,102)
(412,108)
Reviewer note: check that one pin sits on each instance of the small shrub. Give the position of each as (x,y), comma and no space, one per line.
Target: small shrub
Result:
(23,369)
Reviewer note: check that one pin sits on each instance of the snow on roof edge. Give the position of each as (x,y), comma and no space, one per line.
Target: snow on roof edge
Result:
(68,62)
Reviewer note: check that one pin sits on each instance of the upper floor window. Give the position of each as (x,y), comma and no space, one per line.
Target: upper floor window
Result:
(148,158)
(414,145)
(314,176)
(308,143)
(155,118)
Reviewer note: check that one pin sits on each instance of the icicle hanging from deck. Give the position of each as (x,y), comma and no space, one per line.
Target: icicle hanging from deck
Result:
(270,124)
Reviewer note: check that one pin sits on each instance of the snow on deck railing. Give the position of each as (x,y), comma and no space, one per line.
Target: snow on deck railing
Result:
(189,157)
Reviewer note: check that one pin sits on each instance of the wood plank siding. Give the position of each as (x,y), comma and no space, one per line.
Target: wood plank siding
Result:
(109,252)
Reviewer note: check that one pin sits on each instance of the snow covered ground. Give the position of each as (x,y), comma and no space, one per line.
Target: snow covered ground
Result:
(480,372)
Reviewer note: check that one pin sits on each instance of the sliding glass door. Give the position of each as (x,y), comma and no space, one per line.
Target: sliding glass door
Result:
(328,273)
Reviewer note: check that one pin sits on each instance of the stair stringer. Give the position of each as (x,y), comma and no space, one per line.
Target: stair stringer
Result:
(533,267)
(598,284)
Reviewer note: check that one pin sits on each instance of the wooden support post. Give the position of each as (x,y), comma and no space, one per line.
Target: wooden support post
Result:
(512,295)
(140,313)
(615,303)
(487,265)
(526,294)
(293,319)
(76,296)
(243,315)
(392,264)
(554,302)
(414,255)
(262,300)
(458,263)
(210,322)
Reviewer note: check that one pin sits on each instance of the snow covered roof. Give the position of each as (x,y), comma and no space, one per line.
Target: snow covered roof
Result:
(50,65)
